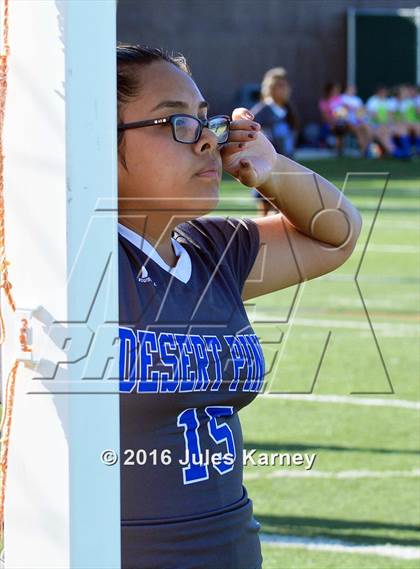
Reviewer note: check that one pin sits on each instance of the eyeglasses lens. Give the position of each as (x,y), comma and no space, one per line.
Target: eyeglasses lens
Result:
(186,129)
(220,127)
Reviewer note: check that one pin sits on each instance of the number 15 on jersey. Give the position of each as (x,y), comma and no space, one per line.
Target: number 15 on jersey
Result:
(197,463)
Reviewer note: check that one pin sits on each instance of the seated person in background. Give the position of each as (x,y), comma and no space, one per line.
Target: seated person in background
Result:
(358,115)
(275,113)
(329,107)
(340,120)
(277,118)
(377,106)
(354,105)
(384,115)
(415,94)
(404,114)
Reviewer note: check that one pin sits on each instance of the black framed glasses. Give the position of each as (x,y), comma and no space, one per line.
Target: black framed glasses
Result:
(186,128)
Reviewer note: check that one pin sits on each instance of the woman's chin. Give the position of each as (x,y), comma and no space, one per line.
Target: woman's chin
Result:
(206,196)
(207,205)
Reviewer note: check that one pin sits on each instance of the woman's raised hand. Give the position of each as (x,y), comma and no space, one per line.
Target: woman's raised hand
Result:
(248,155)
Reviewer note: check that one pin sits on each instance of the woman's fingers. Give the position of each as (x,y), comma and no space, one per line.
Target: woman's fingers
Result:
(242,112)
(246,173)
(243,119)
(243,124)
(242,135)
(232,147)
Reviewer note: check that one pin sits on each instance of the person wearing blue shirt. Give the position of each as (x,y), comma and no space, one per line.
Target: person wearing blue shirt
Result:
(189,358)
(277,118)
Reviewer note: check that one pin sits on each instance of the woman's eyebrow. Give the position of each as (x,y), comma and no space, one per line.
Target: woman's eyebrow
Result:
(178,105)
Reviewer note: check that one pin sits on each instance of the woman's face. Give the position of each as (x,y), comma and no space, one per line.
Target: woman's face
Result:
(162,174)
(281,91)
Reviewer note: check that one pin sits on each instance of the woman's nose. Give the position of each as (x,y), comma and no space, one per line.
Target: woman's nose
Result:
(207,141)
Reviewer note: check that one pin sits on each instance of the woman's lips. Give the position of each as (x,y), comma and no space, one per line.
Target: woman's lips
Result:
(208,174)
(210,170)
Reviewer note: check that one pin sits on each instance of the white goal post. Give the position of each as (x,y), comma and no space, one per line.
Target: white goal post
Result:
(62,505)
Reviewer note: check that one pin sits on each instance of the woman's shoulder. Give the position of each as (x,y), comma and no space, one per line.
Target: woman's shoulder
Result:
(263,112)
(233,242)
(215,231)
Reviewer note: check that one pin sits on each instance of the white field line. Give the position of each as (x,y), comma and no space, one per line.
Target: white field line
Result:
(380,326)
(345,399)
(340,546)
(384,328)
(350,324)
(340,475)
(392,224)
(383,248)
(381,279)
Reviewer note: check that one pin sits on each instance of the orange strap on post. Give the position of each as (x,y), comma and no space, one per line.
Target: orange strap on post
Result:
(5,283)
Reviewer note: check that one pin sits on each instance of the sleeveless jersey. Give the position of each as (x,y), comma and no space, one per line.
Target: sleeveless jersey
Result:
(189,360)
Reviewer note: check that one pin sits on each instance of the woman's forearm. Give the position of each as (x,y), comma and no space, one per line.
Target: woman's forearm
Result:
(311,203)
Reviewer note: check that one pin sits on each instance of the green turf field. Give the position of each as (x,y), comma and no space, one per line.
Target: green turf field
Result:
(347,337)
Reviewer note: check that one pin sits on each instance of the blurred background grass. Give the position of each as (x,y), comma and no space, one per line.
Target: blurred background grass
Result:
(382,506)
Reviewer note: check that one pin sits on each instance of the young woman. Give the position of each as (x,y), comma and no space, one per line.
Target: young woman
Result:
(189,359)
(278,120)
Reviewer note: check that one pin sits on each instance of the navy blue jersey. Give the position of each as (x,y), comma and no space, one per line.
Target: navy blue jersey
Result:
(189,360)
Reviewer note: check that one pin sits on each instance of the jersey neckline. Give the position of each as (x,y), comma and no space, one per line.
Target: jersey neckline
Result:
(183,268)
